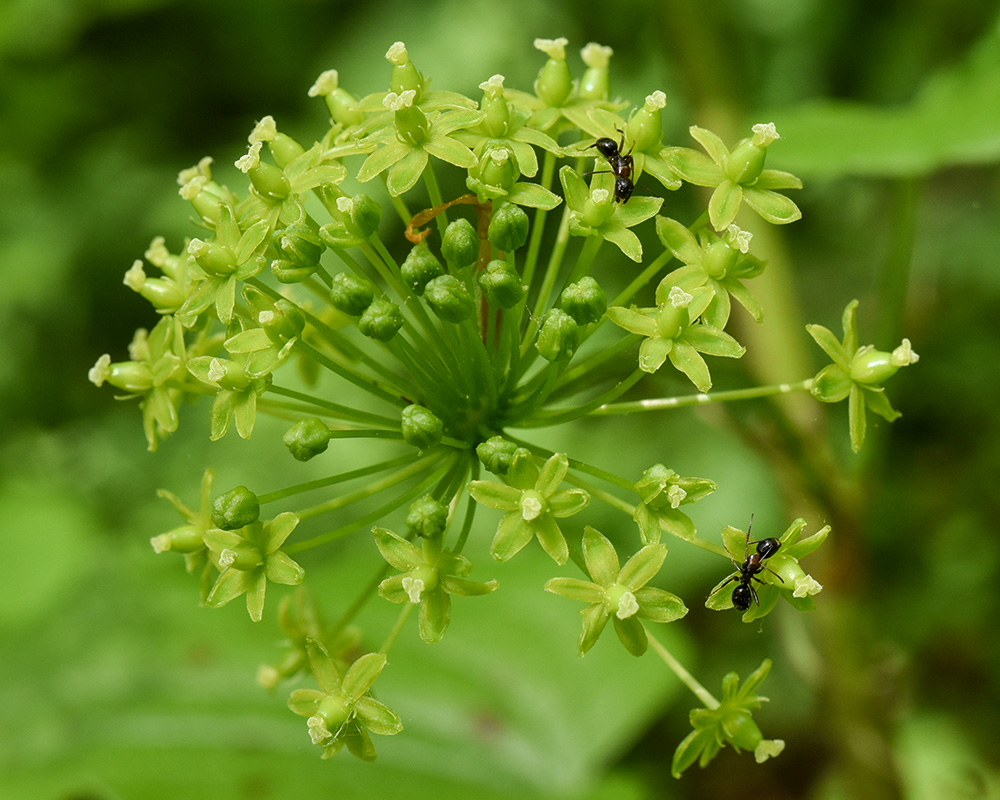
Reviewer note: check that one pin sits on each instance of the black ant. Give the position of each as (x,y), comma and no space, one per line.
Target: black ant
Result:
(621,165)
(747,571)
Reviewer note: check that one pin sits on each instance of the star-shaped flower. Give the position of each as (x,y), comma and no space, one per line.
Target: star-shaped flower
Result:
(672,330)
(857,373)
(595,212)
(533,504)
(428,576)
(249,558)
(619,593)
(237,391)
(722,263)
(737,176)
(342,711)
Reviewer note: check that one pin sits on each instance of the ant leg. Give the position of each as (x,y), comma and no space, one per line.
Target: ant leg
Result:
(725,583)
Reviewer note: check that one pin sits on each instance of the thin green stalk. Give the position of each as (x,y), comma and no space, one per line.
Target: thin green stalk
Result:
(434,195)
(369,386)
(335,409)
(699,691)
(660,403)
(557,416)
(390,640)
(343,477)
(538,228)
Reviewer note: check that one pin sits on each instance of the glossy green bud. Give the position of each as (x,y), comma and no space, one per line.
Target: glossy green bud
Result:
(449,298)
(419,267)
(554,83)
(381,320)
(185,539)
(596,81)
(872,367)
(300,244)
(584,301)
(645,129)
(496,454)
(362,215)
(508,227)
(460,245)
(214,258)
(427,517)
(558,337)
(421,427)
(235,508)
(269,181)
(307,438)
(351,294)
(500,284)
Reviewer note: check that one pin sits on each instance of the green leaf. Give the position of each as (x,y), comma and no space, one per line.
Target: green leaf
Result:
(724,204)
(685,358)
(533,196)
(642,567)
(406,172)
(631,634)
(774,207)
(692,166)
(713,145)
(600,556)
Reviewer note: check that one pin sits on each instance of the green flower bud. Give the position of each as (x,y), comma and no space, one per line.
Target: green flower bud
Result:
(421,427)
(185,539)
(289,272)
(132,376)
(741,731)
(554,83)
(235,508)
(300,244)
(362,215)
(719,259)
(282,321)
(501,285)
(596,81)
(498,169)
(341,103)
(419,267)
(411,123)
(307,438)
(508,227)
(645,128)
(872,367)
(351,294)
(558,337)
(599,205)
(404,75)
(584,301)
(164,294)
(495,107)
(214,258)
(268,180)
(381,320)
(496,454)
(746,162)
(449,298)
(427,517)
(460,245)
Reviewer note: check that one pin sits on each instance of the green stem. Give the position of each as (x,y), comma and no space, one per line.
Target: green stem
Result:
(335,409)
(538,228)
(659,403)
(434,194)
(557,416)
(390,640)
(343,477)
(369,386)
(699,691)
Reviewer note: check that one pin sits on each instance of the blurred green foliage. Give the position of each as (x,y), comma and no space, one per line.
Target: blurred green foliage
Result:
(113,685)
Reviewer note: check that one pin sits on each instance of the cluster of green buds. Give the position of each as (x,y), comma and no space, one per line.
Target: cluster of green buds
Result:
(434,272)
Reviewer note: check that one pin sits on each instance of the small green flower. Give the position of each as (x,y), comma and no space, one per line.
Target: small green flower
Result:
(596,212)
(167,293)
(408,143)
(156,373)
(643,135)
(783,576)
(189,538)
(249,558)
(672,330)
(619,593)
(737,176)
(722,263)
(532,504)
(342,711)
(266,347)
(237,392)
(730,722)
(496,175)
(857,373)
(661,492)
(230,257)
(428,576)
(556,99)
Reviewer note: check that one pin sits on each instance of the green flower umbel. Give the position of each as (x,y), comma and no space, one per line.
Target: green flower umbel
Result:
(342,712)
(532,505)
(857,373)
(619,593)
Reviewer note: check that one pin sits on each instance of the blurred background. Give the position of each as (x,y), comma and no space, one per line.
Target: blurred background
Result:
(114,684)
